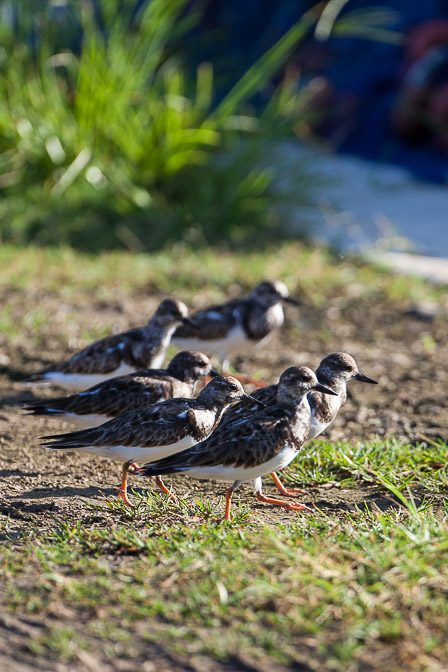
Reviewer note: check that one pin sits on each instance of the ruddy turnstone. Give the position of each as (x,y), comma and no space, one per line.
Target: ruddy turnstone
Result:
(118,395)
(156,431)
(257,445)
(334,371)
(236,326)
(117,355)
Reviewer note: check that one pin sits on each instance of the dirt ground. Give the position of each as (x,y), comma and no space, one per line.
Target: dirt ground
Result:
(401,348)
(397,346)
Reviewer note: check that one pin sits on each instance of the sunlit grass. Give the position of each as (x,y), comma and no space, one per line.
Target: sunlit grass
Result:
(376,462)
(116,142)
(320,588)
(314,272)
(334,590)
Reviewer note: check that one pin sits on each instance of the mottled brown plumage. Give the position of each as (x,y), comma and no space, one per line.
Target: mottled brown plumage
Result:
(160,424)
(135,349)
(249,449)
(236,325)
(125,393)
(262,438)
(156,431)
(334,371)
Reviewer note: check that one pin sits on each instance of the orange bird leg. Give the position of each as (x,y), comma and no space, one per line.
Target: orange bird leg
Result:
(122,493)
(164,489)
(229,494)
(291,506)
(289,492)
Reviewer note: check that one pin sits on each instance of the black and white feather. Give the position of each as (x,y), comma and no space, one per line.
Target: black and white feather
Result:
(120,354)
(155,431)
(256,445)
(234,327)
(116,396)
(335,371)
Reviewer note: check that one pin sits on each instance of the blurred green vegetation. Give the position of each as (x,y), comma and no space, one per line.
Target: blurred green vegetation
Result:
(115,142)
(120,145)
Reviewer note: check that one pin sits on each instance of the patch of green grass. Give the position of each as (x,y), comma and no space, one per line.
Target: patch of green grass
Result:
(116,142)
(157,507)
(370,588)
(62,641)
(387,463)
(315,273)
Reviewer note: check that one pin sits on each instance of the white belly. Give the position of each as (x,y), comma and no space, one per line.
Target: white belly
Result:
(220,473)
(234,343)
(80,381)
(137,454)
(83,421)
(156,362)
(317,427)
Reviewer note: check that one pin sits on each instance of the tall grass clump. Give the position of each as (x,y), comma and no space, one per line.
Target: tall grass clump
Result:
(113,142)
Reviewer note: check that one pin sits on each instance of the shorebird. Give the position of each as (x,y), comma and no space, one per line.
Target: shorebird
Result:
(257,445)
(156,431)
(117,355)
(238,325)
(118,395)
(335,371)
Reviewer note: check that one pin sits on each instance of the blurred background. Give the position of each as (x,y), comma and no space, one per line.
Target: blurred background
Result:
(140,123)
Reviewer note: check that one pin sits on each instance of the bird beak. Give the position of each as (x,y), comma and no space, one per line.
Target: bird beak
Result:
(325,390)
(365,379)
(290,299)
(253,400)
(213,373)
(190,322)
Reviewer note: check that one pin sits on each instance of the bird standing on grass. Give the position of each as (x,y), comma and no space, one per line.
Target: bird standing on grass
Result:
(235,327)
(118,395)
(257,445)
(335,371)
(117,355)
(156,431)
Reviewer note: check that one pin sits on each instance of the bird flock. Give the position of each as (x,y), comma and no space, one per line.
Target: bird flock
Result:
(129,409)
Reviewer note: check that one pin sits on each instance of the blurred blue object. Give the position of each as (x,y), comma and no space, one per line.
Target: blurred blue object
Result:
(362,72)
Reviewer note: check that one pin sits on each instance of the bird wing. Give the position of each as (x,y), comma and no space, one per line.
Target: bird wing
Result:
(111,397)
(103,356)
(244,445)
(214,322)
(159,424)
(245,407)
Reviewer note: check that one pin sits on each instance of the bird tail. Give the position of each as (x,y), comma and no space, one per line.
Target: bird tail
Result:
(42,407)
(70,441)
(39,376)
(160,468)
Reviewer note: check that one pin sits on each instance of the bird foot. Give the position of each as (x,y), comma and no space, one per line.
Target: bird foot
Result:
(122,494)
(165,490)
(287,492)
(291,492)
(291,506)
